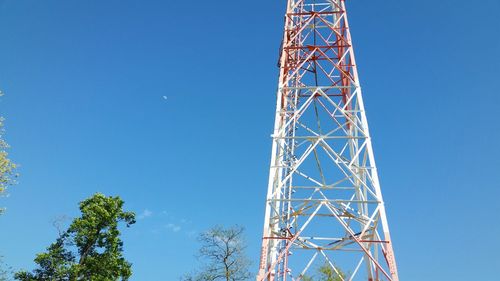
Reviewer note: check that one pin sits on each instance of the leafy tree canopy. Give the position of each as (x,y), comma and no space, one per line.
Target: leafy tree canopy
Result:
(7,167)
(91,248)
(326,273)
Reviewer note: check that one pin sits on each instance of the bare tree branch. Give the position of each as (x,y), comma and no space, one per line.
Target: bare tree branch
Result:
(223,251)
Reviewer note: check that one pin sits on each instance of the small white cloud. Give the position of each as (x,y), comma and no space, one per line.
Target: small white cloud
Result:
(173,227)
(145,214)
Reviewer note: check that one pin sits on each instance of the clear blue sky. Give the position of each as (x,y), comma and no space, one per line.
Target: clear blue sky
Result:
(84,84)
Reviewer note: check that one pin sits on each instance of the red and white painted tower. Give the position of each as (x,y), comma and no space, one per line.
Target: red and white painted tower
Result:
(324,206)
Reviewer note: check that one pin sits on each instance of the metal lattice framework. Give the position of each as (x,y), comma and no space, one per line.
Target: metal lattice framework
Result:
(324,204)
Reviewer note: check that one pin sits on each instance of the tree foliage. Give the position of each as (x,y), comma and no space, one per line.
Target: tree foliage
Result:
(326,273)
(223,254)
(90,249)
(7,167)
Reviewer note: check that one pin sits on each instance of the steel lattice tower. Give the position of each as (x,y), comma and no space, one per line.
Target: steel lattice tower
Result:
(324,205)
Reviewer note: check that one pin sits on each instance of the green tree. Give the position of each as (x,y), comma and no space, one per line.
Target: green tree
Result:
(306,278)
(326,273)
(91,248)
(223,252)
(7,167)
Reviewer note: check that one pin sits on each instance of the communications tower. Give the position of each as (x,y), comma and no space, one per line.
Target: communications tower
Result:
(324,206)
